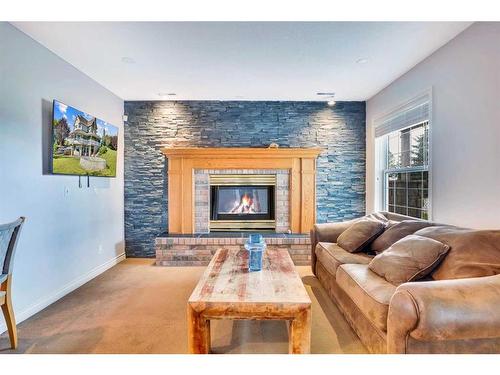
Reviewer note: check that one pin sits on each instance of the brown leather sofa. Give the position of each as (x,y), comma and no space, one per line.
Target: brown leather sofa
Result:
(443,316)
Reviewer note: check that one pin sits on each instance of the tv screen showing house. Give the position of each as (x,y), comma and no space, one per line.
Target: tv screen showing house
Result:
(82,144)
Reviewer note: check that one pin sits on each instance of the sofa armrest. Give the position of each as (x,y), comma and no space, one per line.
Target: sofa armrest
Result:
(327,232)
(459,309)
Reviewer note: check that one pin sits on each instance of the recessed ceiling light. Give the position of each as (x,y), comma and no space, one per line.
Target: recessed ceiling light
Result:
(363,60)
(328,96)
(128,60)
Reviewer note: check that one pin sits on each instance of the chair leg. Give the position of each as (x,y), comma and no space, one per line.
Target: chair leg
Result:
(8,313)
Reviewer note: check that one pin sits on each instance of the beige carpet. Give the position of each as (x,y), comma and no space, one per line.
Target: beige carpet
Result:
(136,307)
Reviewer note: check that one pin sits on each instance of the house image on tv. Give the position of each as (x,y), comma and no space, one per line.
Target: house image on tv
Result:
(84,140)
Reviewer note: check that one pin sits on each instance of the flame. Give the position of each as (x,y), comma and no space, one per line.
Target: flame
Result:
(246,200)
(244,205)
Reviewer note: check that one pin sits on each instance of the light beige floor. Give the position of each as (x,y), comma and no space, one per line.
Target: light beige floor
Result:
(136,307)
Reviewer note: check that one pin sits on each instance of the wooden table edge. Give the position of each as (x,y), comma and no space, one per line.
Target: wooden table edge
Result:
(222,308)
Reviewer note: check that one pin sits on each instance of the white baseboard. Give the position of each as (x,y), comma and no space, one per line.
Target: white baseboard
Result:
(42,303)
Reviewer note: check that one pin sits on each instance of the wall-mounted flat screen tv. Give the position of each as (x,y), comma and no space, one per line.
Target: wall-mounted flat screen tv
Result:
(82,144)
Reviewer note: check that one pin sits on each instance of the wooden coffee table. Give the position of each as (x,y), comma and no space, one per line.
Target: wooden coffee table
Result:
(227,290)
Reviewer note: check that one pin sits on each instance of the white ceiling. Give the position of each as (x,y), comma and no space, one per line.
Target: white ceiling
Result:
(243,61)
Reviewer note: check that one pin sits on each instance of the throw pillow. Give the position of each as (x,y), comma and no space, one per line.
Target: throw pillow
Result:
(359,235)
(395,232)
(411,258)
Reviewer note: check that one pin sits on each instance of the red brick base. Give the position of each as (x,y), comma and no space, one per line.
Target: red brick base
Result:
(195,251)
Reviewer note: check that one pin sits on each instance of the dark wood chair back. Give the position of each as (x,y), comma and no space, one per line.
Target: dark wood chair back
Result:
(9,234)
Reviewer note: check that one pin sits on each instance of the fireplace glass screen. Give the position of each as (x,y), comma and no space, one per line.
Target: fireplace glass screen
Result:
(242,202)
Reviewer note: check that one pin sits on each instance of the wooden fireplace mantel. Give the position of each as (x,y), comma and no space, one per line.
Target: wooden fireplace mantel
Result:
(301,162)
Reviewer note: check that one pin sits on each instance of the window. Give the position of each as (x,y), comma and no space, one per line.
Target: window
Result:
(406,170)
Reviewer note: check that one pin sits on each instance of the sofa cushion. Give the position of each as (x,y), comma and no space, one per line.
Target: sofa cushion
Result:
(473,253)
(332,256)
(395,232)
(359,235)
(370,292)
(409,259)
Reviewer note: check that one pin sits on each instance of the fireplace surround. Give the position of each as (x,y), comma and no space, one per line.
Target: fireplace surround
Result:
(217,196)
(191,169)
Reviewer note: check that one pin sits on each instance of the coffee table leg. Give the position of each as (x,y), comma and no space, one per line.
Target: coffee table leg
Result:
(300,333)
(198,333)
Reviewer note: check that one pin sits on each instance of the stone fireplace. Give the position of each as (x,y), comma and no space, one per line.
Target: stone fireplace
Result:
(216,196)
(153,126)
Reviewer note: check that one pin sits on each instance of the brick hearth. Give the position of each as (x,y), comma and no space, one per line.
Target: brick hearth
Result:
(197,250)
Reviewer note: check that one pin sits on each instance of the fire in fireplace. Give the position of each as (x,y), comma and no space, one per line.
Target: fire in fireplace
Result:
(248,203)
(241,200)
(238,203)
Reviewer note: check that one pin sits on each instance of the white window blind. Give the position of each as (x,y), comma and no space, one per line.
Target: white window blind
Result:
(413,112)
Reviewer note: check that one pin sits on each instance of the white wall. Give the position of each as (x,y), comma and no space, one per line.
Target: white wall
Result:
(67,239)
(465,79)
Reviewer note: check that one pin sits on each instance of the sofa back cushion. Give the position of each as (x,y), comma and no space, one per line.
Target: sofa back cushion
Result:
(473,253)
(359,235)
(396,232)
(377,216)
(409,259)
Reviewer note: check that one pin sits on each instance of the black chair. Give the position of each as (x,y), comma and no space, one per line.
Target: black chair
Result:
(9,233)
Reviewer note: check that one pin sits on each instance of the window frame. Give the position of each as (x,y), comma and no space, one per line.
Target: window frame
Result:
(381,190)
(387,171)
